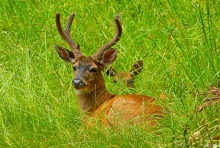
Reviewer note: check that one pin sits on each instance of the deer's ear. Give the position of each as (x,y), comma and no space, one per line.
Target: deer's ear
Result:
(108,57)
(137,68)
(65,54)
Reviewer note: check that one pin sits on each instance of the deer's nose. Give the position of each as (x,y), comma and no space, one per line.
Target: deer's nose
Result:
(78,83)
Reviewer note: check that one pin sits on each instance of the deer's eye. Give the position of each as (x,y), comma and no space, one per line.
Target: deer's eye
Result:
(94,69)
(74,68)
(130,81)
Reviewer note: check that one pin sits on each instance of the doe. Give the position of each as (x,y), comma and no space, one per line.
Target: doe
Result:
(126,76)
(93,97)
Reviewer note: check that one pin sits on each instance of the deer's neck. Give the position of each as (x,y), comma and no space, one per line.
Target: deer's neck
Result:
(90,101)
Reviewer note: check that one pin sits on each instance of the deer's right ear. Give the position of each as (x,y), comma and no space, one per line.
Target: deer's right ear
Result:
(137,68)
(108,56)
(65,54)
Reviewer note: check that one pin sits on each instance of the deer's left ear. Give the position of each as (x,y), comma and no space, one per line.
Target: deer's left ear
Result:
(65,54)
(108,57)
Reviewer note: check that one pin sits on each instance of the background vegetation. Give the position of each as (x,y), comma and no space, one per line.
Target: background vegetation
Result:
(177,40)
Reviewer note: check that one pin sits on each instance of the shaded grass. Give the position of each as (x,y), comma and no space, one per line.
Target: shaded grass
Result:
(178,42)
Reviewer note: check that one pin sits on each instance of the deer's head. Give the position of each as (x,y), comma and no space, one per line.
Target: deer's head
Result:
(127,77)
(87,70)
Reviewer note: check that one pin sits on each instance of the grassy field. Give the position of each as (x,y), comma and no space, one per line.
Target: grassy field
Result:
(179,42)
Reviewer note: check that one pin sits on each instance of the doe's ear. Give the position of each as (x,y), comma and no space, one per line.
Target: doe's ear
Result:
(137,68)
(110,71)
(108,57)
(65,54)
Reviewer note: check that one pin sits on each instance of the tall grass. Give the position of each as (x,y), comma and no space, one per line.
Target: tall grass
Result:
(177,40)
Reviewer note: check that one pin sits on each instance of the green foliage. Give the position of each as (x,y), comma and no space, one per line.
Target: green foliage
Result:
(178,42)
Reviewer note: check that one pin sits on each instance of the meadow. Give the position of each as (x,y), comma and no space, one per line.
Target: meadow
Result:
(178,41)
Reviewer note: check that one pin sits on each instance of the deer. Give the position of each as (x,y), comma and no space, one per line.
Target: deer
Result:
(94,100)
(126,76)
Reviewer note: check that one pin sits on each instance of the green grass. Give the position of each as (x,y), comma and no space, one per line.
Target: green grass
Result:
(177,40)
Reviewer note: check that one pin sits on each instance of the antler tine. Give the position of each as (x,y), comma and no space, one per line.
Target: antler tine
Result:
(113,41)
(66,34)
(69,23)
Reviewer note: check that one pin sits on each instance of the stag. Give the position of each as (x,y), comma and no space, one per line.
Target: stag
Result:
(93,97)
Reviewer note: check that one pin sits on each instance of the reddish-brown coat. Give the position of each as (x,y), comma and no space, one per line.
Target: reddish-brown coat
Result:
(128,109)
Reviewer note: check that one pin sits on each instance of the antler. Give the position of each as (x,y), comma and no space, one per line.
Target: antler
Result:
(66,34)
(113,41)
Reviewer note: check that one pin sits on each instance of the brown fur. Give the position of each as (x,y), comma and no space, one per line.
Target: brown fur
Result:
(128,109)
(97,102)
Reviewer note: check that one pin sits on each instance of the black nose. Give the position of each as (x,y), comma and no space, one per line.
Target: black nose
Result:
(78,83)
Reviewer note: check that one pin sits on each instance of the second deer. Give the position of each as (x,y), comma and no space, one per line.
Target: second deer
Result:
(93,97)
(126,76)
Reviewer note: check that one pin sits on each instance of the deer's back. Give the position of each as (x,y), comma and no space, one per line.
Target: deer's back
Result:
(128,109)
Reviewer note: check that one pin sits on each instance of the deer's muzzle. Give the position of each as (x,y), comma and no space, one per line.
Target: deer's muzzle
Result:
(78,83)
